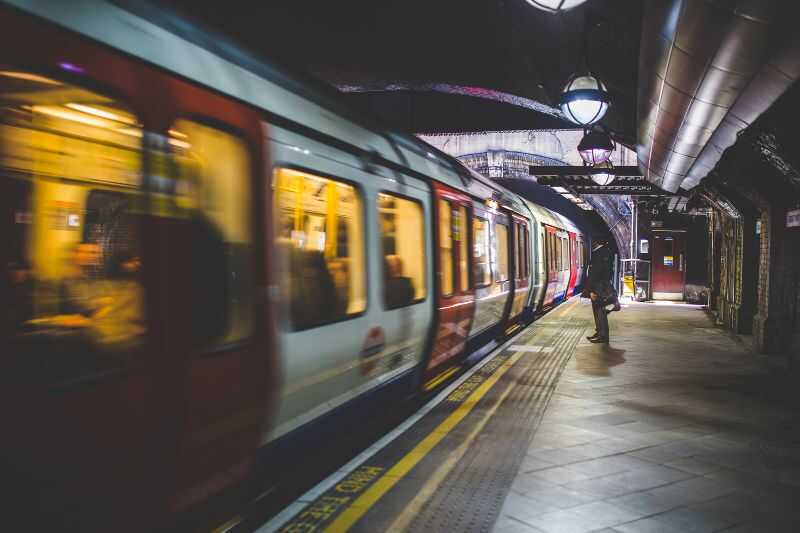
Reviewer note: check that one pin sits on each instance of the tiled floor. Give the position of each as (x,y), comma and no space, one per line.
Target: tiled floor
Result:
(674,427)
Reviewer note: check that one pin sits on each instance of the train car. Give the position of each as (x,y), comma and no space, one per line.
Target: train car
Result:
(576,256)
(205,256)
(561,264)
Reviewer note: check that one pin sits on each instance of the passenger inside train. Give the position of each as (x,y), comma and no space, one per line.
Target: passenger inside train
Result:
(398,288)
(403,261)
(318,238)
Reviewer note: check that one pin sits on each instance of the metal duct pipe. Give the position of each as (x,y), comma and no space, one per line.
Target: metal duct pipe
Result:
(707,70)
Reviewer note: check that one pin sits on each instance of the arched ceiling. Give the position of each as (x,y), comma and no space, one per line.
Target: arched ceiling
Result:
(432,66)
(421,63)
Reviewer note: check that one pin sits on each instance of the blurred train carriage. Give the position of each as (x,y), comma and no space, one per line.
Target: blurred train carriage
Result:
(202,255)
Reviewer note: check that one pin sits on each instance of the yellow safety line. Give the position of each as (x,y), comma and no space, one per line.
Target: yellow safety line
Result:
(408,514)
(441,377)
(363,503)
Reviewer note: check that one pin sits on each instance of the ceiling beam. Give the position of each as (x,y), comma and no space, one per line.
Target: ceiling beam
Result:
(629,180)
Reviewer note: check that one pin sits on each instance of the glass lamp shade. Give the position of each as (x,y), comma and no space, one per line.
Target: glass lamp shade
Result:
(554,6)
(603,174)
(595,148)
(584,100)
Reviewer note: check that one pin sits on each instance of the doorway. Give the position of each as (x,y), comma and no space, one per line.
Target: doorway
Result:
(669,265)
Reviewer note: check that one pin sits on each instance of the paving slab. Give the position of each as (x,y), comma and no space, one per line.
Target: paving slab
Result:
(685,428)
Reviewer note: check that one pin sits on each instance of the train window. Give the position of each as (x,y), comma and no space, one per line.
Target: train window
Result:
(446,247)
(501,239)
(523,252)
(70,285)
(214,176)
(560,252)
(463,248)
(548,251)
(527,252)
(565,264)
(320,244)
(516,232)
(403,239)
(480,243)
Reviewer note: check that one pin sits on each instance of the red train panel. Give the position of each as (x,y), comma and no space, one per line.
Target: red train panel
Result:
(160,422)
(456,298)
(573,265)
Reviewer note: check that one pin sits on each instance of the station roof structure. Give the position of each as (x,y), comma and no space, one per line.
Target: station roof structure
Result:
(680,93)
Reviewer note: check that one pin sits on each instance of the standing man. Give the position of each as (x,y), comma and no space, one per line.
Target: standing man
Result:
(598,286)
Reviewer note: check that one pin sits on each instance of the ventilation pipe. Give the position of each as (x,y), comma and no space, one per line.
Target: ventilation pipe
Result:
(707,70)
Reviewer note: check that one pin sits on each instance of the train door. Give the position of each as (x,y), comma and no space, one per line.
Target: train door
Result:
(456,297)
(580,254)
(217,249)
(551,265)
(573,263)
(668,260)
(538,264)
(80,320)
(354,267)
(491,272)
(561,253)
(521,253)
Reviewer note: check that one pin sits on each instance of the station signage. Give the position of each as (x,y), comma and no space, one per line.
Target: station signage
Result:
(793,218)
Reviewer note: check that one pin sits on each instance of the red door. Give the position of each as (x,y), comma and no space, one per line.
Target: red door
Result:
(550,262)
(226,356)
(88,415)
(669,265)
(521,270)
(456,299)
(111,430)
(573,265)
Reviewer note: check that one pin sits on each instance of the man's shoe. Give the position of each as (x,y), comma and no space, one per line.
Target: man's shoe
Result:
(590,337)
(598,340)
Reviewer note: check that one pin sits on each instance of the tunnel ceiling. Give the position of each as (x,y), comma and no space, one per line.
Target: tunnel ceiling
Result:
(685,76)
(418,61)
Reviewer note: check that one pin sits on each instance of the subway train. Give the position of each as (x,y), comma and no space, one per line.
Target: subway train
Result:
(204,255)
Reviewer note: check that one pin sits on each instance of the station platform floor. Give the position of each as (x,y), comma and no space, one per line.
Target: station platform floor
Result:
(675,426)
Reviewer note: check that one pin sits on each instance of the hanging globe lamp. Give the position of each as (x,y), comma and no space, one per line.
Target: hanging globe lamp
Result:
(555,6)
(595,147)
(602,174)
(584,100)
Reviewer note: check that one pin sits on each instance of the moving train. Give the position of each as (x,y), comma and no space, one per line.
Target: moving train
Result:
(203,255)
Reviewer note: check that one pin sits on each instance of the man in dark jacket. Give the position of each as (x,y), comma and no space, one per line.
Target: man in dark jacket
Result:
(598,287)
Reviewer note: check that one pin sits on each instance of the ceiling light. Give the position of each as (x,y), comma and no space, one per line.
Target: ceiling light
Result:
(102,113)
(584,100)
(65,114)
(595,147)
(27,76)
(555,6)
(602,174)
